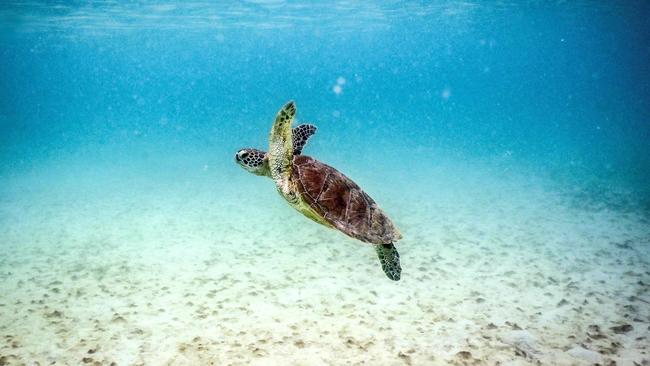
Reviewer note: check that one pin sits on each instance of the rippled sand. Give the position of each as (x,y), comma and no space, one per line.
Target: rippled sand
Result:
(106,268)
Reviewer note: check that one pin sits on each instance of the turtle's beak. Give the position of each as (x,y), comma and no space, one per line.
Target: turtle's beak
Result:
(238,155)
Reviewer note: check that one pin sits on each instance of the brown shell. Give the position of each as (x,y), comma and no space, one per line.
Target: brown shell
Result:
(341,202)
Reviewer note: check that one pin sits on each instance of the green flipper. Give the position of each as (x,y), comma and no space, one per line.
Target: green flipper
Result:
(389,258)
(281,145)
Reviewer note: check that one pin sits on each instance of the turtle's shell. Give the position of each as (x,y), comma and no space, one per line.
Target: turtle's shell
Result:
(341,202)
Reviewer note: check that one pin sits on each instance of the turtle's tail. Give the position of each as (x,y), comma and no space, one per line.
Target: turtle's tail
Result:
(389,258)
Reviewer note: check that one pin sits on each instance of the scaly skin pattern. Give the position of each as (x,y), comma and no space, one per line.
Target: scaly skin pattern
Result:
(300,136)
(389,259)
(281,149)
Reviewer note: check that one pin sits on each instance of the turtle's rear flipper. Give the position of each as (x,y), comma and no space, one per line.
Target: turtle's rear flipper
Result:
(389,259)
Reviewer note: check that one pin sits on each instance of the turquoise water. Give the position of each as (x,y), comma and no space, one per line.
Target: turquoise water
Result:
(495,127)
(561,86)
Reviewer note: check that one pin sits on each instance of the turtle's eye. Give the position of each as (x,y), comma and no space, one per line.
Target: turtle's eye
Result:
(244,155)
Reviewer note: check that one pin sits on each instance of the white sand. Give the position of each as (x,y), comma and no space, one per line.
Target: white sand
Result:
(498,268)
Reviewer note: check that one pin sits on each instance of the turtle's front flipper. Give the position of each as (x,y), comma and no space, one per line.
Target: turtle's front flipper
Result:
(389,258)
(301,135)
(281,145)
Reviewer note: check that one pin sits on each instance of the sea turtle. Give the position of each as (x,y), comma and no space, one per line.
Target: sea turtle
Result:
(321,192)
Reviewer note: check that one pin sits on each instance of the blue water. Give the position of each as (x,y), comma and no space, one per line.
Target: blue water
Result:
(563,86)
(148,102)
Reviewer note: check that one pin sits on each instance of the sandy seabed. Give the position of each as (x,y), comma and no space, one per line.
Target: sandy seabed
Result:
(498,269)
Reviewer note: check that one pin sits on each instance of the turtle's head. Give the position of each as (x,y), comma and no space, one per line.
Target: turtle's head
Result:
(253,160)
